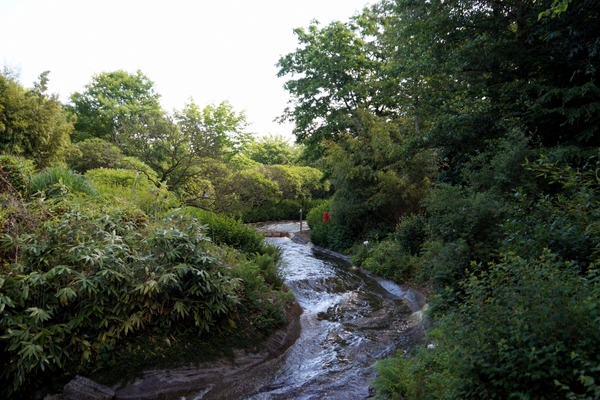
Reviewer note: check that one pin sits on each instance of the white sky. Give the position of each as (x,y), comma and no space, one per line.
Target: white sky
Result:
(208,50)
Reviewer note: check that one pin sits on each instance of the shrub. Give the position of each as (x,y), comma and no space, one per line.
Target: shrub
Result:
(15,173)
(350,219)
(58,181)
(423,374)
(566,223)
(268,267)
(254,189)
(231,232)
(458,213)
(396,257)
(340,238)
(118,177)
(94,153)
(296,182)
(464,226)
(529,329)
(411,233)
(85,280)
(16,217)
(388,258)
(280,210)
(319,230)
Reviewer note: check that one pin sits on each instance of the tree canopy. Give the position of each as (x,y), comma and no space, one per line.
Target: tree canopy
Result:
(425,114)
(33,124)
(270,150)
(109,100)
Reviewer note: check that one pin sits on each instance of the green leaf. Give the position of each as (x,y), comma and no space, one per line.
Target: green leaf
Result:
(65,295)
(38,314)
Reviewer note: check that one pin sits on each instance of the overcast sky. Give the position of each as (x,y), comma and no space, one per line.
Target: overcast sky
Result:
(207,50)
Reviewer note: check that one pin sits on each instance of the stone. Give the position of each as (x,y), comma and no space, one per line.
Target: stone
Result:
(81,388)
(218,380)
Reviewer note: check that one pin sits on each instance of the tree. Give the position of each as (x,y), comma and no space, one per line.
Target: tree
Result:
(339,71)
(296,182)
(509,70)
(32,123)
(188,151)
(360,96)
(376,180)
(271,150)
(94,153)
(111,99)
(373,63)
(214,131)
(158,142)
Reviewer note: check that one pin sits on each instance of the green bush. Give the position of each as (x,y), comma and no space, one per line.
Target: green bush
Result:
(529,329)
(260,311)
(58,181)
(350,219)
(566,223)
(280,210)
(268,265)
(296,182)
(396,257)
(389,259)
(464,226)
(94,153)
(319,230)
(15,173)
(411,233)
(524,325)
(231,232)
(340,238)
(86,279)
(253,188)
(425,373)
(118,177)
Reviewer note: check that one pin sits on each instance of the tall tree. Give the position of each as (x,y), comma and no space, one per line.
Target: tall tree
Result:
(109,100)
(337,70)
(189,150)
(509,69)
(214,131)
(272,150)
(33,124)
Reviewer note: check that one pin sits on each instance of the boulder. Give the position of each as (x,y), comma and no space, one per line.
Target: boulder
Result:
(81,388)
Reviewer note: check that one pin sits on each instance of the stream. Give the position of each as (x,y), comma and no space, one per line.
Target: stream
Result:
(351,318)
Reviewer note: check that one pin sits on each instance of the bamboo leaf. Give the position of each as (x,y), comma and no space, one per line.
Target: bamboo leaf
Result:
(38,314)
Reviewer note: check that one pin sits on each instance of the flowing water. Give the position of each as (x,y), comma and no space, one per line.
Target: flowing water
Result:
(351,318)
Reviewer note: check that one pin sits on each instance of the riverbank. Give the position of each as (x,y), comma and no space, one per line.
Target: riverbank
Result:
(351,319)
(415,295)
(226,378)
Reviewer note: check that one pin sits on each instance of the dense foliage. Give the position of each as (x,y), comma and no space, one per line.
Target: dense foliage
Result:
(461,139)
(88,265)
(204,155)
(33,124)
(111,241)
